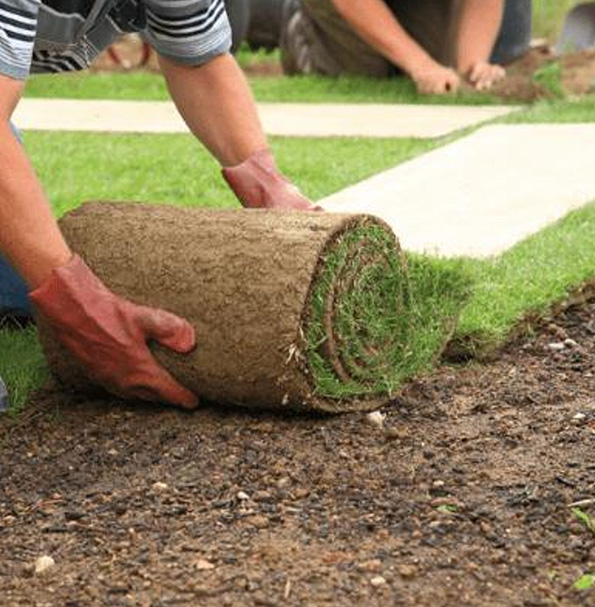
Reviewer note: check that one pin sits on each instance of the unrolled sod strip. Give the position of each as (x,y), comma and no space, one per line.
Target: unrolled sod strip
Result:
(292,310)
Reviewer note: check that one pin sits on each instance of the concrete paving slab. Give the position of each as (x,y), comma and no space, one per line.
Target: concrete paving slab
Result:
(289,119)
(484,193)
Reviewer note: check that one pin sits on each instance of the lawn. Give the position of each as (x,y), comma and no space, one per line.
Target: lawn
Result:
(522,283)
(548,16)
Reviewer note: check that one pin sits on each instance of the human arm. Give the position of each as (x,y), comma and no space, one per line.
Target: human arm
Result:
(478,27)
(373,21)
(106,333)
(29,237)
(217,105)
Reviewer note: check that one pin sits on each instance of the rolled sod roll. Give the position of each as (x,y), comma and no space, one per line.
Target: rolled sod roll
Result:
(306,311)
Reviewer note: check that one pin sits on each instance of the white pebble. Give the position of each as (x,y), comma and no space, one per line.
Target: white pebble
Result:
(579,417)
(43,563)
(570,343)
(556,346)
(158,486)
(243,496)
(376,419)
(377,581)
(203,565)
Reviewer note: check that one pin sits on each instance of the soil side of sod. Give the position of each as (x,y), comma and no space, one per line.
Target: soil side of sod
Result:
(464,501)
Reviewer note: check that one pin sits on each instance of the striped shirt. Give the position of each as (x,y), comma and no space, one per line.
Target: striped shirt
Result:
(39,36)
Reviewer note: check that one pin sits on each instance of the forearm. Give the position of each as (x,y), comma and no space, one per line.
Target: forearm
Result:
(217,105)
(478,27)
(29,236)
(375,23)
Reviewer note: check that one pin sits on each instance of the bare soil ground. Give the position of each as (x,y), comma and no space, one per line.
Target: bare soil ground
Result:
(463,498)
(572,74)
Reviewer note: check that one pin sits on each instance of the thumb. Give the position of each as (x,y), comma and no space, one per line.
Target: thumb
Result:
(167,329)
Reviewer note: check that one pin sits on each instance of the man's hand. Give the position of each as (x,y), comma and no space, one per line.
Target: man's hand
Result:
(108,335)
(258,184)
(484,75)
(431,78)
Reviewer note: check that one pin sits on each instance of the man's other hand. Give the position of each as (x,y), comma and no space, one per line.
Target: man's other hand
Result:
(258,184)
(484,75)
(434,79)
(108,335)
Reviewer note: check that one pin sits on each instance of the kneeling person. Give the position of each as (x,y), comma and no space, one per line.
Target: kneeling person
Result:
(435,42)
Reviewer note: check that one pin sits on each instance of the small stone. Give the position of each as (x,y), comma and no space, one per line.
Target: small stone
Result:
(556,346)
(243,497)
(203,565)
(376,419)
(301,493)
(43,563)
(378,581)
(438,483)
(579,418)
(407,571)
(158,486)
(372,566)
(393,433)
(570,343)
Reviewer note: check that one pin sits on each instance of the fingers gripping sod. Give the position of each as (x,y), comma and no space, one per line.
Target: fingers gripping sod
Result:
(108,335)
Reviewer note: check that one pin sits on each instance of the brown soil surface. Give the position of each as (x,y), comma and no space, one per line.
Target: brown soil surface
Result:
(577,75)
(463,501)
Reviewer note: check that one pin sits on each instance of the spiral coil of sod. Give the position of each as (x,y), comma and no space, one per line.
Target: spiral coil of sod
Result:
(359,314)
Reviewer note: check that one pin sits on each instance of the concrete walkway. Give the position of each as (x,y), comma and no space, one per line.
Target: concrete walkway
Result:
(289,119)
(481,194)
(477,196)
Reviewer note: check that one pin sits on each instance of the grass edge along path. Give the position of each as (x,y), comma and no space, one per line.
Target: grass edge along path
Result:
(515,290)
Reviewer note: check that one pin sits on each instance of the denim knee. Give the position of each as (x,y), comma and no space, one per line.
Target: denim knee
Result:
(13,290)
(14,298)
(514,38)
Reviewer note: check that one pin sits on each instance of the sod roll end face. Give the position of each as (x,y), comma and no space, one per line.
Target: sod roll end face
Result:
(306,311)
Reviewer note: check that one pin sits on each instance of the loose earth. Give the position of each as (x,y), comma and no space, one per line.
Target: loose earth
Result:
(462,498)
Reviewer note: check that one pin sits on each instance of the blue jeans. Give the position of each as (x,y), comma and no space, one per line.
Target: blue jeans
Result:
(515,33)
(14,298)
